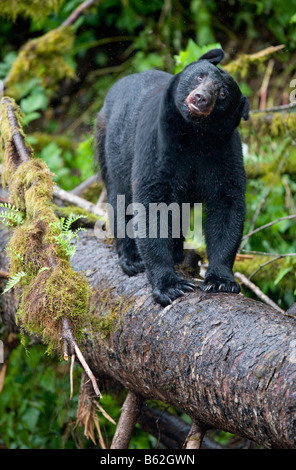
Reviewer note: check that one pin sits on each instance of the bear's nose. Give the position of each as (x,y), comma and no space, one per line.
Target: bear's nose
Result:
(200,98)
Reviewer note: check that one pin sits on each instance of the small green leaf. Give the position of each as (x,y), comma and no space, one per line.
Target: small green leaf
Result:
(34,102)
(282,274)
(13,281)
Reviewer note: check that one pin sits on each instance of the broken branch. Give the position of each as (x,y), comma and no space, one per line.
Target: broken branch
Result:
(257,291)
(67,334)
(130,413)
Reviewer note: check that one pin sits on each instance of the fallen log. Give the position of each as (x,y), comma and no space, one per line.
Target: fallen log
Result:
(227,361)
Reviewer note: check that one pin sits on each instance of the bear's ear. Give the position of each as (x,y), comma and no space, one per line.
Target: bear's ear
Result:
(214,56)
(245,107)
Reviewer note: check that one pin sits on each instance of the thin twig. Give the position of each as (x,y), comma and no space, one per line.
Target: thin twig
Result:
(97,425)
(102,198)
(66,355)
(82,187)
(267,51)
(257,291)
(78,12)
(255,216)
(265,83)
(87,369)
(78,201)
(104,413)
(270,261)
(5,200)
(273,109)
(68,335)
(261,253)
(71,375)
(286,217)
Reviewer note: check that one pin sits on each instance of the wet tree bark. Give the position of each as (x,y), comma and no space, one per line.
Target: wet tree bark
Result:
(227,361)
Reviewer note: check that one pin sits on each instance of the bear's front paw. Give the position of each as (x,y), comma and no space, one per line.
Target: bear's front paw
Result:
(167,294)
(214,283)
(131,267)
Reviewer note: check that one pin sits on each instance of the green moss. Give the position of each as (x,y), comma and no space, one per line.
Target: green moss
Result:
(93,191)
(239,66)
(43,58)
(266,273)
(66,211)
(35,9)
(242,64)
(51,290)
(52,295)
(270,135)
(9,155)
(31,187)
(27,250)
(263,169)
(275,124)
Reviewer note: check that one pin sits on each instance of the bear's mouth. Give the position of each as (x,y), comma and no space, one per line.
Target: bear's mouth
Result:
(196,111)
(201,100)
(192,107)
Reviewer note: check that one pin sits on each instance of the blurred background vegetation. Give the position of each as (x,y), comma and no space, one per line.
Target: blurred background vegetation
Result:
(60,76)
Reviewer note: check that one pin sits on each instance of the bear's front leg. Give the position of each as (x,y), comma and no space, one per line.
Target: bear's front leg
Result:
(223,232)
(157,247)
(157,255)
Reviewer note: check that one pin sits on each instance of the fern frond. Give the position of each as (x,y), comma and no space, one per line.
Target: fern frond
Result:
(70,220)
(13,281)
(12,216)
(66,235)
(17,255)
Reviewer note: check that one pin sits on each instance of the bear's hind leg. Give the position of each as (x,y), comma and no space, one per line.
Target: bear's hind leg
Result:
(129,258)
(128,254)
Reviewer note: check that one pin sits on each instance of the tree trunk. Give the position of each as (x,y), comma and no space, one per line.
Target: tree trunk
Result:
(227,361)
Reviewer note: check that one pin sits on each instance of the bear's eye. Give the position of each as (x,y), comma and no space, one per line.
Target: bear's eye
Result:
(222,94)
(200,78)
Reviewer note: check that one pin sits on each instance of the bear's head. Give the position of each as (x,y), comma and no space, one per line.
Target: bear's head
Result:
(209,96)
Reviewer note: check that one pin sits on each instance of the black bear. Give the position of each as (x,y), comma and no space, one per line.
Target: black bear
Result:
(165,138)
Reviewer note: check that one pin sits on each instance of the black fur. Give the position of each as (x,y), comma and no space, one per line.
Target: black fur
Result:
(165,138)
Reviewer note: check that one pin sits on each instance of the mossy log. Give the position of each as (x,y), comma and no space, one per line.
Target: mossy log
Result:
(227,361)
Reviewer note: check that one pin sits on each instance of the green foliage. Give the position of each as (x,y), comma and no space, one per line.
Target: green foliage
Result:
(279,281)
(70,164)
(6,65)
(203,14)
(12,216)
(33,103)
(13,281)
(110,40)
(191,53)
(275,17)
(65,234)
(143,61)
(29,8)
(43,58)
(35,410)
